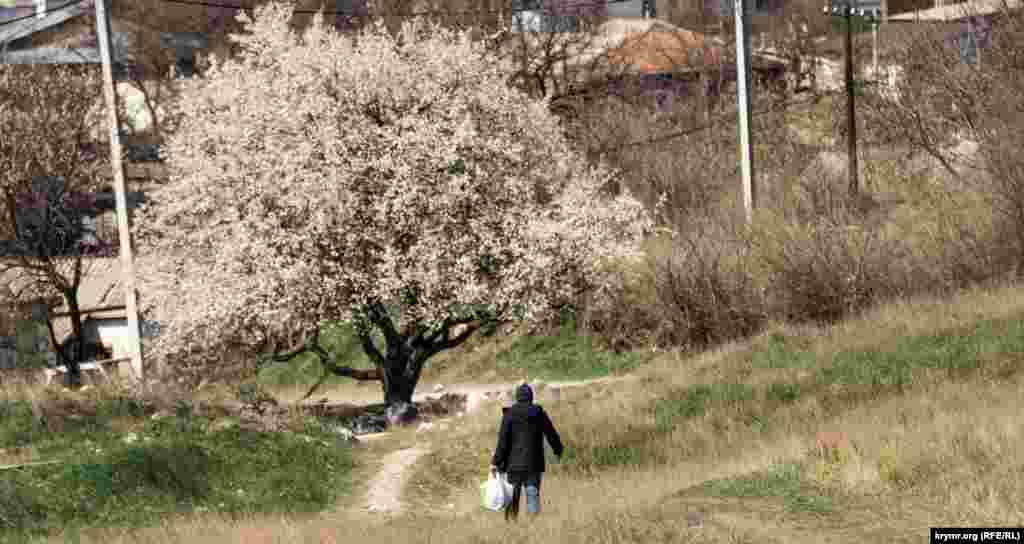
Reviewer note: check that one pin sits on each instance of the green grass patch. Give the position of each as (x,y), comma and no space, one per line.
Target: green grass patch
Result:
(779,351)
(565,356)
(693,401)
(783,392)
(338,339)
(604,456)
(953,351)
(174,465)
(783,480)
(18,425)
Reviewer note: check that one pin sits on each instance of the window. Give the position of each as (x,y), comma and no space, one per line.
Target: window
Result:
(185,64)
(537,16)
(724,8)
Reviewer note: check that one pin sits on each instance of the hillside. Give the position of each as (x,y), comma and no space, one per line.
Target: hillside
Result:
(918,398)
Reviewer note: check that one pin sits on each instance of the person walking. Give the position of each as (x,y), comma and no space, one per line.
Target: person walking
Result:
(520,449)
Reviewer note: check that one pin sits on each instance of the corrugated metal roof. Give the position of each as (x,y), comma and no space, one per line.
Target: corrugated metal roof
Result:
(19,29)
(955,12)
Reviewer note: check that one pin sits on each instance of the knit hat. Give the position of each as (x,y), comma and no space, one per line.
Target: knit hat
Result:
(524,393)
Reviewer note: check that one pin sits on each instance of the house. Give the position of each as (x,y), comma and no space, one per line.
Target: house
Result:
(100,297)
(66,34)
(927,11)
(563,15)
(670,61)
(900,27)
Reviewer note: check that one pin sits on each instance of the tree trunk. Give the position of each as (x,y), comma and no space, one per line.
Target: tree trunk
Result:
(74,374)
(398,385)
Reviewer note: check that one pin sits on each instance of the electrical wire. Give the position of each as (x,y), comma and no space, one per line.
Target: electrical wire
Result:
(658,139)
(300,11)
(421,14)
(708,126)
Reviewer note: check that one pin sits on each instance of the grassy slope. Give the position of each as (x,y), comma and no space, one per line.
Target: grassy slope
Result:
(928,393)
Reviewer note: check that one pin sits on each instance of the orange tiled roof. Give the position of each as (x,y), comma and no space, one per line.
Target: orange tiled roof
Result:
(666,50)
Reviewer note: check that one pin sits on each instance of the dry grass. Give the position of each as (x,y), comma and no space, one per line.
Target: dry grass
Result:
(906,451)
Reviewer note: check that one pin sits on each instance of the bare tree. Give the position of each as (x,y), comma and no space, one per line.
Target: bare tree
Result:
(48,172)
(965,113)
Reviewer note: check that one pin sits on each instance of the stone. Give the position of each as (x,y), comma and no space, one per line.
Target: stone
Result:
(473,401)
(401,413)
(425,426)
(368,424)
(344,433)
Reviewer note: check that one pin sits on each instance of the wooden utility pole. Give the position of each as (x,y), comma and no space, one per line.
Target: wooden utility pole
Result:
(743,97)
(123,233)
(851,116)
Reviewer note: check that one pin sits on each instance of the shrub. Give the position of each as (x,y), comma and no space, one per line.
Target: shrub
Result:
(18,424)
(19,511)
(824,271)
(706,294)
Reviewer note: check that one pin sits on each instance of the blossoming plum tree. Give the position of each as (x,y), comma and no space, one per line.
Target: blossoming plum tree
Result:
(394,182)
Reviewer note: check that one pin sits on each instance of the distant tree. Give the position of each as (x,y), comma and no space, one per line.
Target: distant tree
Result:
(48,172)
(960,99)
(394,182)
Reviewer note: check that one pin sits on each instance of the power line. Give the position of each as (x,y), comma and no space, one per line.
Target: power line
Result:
(701,128)
(310,12)
(36,14)
(420,14)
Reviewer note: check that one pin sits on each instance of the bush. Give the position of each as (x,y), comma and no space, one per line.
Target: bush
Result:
(706,295)
(824,271)
(19,511)
(171,468)
(626,318)
(18,424)
(180,469)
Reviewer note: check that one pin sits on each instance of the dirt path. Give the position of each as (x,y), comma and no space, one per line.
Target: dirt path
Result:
(386,487)
(384,491)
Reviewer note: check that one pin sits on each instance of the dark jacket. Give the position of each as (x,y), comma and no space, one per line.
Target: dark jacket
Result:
(521,439)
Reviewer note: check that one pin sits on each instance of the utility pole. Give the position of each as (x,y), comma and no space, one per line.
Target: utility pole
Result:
(874,49)
(124,235)
(851,110)
(743,97)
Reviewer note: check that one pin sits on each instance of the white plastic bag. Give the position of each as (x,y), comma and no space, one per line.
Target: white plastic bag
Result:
(497,492)
(549,454)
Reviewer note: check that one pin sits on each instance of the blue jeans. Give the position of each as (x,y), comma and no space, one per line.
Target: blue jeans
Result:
(531,487)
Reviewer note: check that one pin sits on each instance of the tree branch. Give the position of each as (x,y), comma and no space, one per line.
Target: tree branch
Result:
(371,350)
(378,315)
(448,343)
